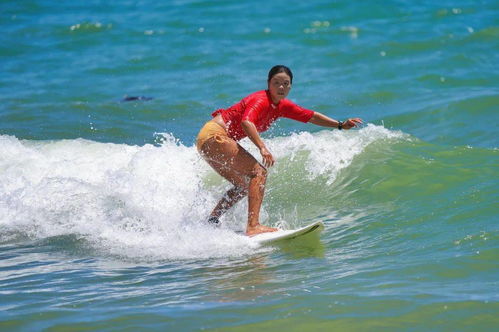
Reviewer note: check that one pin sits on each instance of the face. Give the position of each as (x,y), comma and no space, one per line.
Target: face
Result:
(279,87)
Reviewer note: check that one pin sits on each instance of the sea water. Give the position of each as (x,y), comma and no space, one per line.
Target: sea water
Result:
(103,201)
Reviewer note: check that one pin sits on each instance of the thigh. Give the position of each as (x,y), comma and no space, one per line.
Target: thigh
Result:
(230,160)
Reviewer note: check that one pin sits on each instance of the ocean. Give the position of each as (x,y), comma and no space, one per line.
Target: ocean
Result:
(103,197)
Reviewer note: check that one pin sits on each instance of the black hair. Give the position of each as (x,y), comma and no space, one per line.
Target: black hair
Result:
(280,69)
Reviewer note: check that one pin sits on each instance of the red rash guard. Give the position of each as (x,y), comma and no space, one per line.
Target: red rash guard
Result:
(259,109)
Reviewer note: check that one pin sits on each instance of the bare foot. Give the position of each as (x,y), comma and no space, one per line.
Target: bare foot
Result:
(252,231)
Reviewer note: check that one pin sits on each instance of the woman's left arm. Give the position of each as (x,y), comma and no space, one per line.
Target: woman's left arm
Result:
(325,121)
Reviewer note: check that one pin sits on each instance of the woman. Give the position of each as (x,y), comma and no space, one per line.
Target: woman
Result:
(217,143)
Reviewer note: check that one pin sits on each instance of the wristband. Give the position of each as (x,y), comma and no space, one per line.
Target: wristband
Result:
(340,125)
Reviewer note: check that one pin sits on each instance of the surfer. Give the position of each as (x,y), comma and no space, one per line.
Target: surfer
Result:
(217,142)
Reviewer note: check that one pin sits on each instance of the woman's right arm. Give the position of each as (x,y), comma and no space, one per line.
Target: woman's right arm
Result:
(250,130)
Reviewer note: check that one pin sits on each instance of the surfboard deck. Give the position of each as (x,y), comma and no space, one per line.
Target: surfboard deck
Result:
(281,235)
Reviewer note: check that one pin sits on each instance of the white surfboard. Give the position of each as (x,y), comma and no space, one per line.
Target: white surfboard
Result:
(266,238)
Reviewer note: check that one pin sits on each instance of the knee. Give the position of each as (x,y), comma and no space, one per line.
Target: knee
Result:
(259,172)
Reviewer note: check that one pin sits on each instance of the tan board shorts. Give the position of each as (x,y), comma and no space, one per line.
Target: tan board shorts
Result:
(211,129)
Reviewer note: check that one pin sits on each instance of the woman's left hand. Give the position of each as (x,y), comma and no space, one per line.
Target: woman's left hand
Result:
(351,123)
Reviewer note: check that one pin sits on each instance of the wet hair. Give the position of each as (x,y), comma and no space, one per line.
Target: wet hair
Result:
(280,69)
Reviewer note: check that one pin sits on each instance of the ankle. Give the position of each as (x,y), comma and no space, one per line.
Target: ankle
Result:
(213,220)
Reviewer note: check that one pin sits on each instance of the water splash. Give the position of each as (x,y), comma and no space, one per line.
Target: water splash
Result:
(146,201)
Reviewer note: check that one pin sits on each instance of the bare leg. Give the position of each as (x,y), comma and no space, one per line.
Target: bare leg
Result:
(231,197)
(256,192)
(238,166)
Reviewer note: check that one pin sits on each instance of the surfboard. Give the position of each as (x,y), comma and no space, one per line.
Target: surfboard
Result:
(281,235)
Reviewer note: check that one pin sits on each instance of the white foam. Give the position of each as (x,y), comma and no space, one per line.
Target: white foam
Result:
(146,202)
(329,151)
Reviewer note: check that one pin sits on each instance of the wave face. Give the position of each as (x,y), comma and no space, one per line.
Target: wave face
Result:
(151,201)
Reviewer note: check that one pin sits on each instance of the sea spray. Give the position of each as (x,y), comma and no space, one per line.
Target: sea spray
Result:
(152,201)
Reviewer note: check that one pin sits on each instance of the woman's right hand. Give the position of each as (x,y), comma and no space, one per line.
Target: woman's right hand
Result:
(268,159)
(250,130)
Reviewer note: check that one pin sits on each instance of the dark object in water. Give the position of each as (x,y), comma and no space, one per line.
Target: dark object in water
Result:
(133,98)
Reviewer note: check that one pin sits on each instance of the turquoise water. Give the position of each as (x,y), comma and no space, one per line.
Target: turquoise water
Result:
(102,201)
